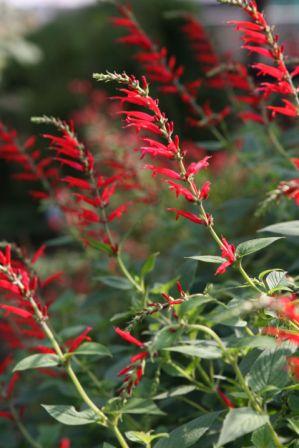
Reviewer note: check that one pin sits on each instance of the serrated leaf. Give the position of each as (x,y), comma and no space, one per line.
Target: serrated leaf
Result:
(68,415)
(115,282)
(257,341)
(36,362)
(188,434)
(288,228)
(92,348)
(239,422)
(269,369)
(251,246)
(262,438)
(149,264)
(207,258)
(205,350)
(275,278)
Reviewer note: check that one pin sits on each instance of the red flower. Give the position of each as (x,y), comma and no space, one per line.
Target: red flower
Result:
(227,252)
(126,336)
(293,364)
(73,344)
(191,216)
(225,399)
(65,443)
(283,335)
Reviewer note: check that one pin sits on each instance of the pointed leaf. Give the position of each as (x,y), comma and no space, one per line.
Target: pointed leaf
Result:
(251,246)
(92,348)
(239,422)
(288,228)
(208,258)
(188,434)
(115,282)
(69,416)
(262,438)
(269,369)
(36,362)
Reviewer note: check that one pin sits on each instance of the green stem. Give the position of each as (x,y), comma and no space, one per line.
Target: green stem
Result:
(119,436)
(128,275)
(247,278)
(23,430)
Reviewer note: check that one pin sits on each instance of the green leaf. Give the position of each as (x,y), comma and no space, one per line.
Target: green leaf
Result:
(37,361)
(145,438)
(141,406)
(275,279)
(257,341)
(92,348)
(239,422)
(251,246)
(288,228)
(69,416)
(188,434)
(205,350)
(149,264)
(159,288)
(262,438)
(115,282)
(177,392)
(269,369)
(98,245)
(207,258)
(164,338)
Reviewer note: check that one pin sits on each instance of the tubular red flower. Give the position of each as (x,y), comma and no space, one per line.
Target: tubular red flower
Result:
(18,311)
(228,403)
(73,344)
(190,216)
(126,336)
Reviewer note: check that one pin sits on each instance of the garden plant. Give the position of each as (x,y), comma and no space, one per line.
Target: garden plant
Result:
(165,312)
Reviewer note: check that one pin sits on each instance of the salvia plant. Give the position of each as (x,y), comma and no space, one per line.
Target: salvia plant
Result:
(199,355)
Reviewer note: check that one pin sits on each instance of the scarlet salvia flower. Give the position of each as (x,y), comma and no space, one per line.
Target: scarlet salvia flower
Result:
(33,167)
(160,67)
(227,252)
(293,364)
(126,336)
(283,335)
(258,37)
(228,403)
(155,122)
(73,344)
(134,371)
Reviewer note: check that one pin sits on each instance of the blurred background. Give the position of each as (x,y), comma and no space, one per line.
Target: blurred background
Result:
(47,44)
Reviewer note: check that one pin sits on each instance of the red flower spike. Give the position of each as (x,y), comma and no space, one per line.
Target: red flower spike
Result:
(227,252)
(126,336)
